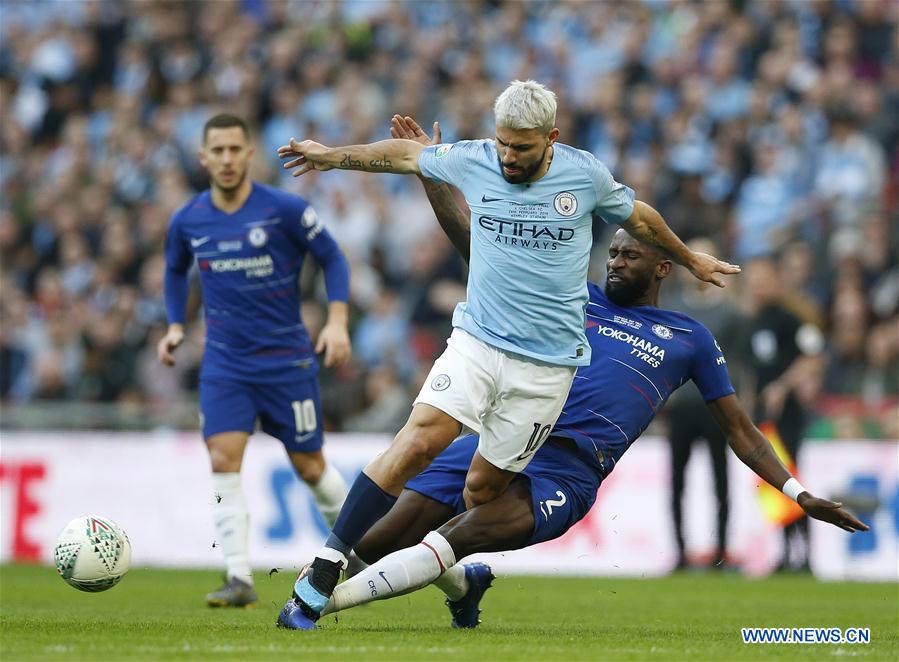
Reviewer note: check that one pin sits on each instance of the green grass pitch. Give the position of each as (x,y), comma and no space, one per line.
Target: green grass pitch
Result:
(159,614)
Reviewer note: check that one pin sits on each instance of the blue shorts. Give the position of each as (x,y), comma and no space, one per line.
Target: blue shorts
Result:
(563,487)
(289,411)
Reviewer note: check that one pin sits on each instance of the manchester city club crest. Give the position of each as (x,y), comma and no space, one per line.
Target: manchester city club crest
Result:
(257,237)
(565,203)
(662,332)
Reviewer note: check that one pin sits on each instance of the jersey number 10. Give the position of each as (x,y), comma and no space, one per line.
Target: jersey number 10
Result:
(538,436)
(304,415)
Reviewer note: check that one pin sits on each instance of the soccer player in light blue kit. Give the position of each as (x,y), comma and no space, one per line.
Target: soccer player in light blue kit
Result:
(519,337)
(249,242)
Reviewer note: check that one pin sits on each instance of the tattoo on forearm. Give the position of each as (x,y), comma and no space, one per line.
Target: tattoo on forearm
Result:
(755,456)
(380,164)
(349,163)
(651,236)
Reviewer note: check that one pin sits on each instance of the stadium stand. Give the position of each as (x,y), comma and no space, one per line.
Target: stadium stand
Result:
(772,128)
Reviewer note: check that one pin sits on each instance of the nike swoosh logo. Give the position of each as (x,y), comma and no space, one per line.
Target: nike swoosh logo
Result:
(385,580)
(199,241)
(484,198)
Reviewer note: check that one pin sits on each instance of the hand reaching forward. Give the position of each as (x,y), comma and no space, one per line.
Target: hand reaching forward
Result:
(830,511)
(706,267)
(308,156)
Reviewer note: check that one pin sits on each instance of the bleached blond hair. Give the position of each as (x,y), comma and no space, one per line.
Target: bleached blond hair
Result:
(526,104)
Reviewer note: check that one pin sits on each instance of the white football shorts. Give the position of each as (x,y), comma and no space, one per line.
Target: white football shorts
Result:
(511,401)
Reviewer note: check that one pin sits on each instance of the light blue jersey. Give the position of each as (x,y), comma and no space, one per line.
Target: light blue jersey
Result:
(530,246)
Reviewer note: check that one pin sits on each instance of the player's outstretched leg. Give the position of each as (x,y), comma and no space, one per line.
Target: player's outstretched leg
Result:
(506,523)
(428,432)
(503,524)
(466,611)
(396,574)
(365,504)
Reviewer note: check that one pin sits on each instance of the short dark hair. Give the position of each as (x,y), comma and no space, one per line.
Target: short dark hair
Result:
(841,113)
(225,121)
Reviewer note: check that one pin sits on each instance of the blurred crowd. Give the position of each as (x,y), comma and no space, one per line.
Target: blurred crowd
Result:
(770,128)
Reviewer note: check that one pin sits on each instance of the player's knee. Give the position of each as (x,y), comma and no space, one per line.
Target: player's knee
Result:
(223,459)
(412,451)
(417,447)
(310,470)
(310,467)
(479,491)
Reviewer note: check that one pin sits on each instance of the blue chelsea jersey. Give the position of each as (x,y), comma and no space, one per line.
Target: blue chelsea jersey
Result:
(530,246)
(640,356)
(249,263)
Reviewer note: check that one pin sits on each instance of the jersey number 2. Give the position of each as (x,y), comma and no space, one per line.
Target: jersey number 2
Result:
(558,503)
(304,415)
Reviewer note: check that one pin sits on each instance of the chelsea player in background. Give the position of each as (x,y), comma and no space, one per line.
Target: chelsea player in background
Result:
(249,242)
(519,336)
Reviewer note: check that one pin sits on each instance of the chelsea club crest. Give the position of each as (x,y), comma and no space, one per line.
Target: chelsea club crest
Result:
(257,237)
(662,332)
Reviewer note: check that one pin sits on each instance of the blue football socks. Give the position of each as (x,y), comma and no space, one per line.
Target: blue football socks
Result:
(365,504)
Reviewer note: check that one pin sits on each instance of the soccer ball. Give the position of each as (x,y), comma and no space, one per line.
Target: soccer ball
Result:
(92,553)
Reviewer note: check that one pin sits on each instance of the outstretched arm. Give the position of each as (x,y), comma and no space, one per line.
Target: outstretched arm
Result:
(647,225)
(396,156)
(754,450)
(455,222)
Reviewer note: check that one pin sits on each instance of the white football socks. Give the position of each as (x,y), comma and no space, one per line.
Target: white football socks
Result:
(329,493)
(231,521)
(453,582)
(396,574)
